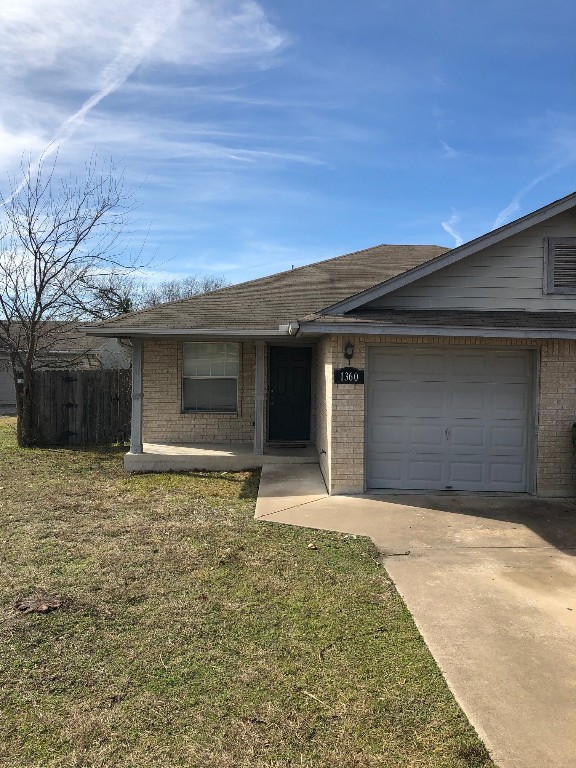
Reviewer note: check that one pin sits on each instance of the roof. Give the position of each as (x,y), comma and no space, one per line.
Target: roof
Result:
(454,317)
(277,299)
(389,284)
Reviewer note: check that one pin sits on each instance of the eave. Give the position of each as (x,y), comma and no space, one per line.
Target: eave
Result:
(381,329)
(142,333)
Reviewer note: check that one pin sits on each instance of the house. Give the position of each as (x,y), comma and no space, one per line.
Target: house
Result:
(396,367)
(66,346)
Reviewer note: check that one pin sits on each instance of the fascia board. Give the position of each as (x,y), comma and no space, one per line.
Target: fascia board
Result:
(451,257)
(435,330)
(167,332)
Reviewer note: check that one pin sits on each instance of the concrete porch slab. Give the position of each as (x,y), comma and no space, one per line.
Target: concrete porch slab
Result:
(185,457)
(491,584)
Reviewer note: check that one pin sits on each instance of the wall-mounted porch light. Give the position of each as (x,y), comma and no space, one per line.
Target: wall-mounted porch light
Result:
(349,351)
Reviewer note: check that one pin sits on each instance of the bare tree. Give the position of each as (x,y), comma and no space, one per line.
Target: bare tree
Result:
(59,239)
(111,295)
(173,290)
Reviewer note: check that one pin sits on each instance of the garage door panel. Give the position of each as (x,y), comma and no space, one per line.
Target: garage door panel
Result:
(388,434)
(403,399)
(428,366)
(423,437)
(510,401)
(507,472)
(469,400)
(471,471)
(467,366)
(508,436)
(510,365)
(449,419)
(425,469)
(387,470)
(464,436)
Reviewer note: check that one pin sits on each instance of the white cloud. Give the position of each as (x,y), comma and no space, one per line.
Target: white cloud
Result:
(449,152)
(61,59)
(450,227)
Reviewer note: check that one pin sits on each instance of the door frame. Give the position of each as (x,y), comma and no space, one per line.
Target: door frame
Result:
(300,344)
(534,354)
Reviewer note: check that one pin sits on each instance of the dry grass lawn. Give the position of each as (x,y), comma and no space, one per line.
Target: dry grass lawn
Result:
(191,635)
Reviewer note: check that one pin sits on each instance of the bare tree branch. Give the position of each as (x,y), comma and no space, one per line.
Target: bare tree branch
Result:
(61,243)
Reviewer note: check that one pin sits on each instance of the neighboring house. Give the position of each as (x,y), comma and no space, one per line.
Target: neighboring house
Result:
(73,350)
(468,357)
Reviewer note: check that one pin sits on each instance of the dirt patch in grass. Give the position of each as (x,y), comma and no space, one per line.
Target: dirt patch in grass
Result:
(191,635)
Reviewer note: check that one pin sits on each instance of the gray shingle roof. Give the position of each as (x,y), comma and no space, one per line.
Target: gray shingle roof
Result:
(281,298)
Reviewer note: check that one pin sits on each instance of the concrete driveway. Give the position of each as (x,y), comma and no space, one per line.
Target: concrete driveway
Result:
(491,584)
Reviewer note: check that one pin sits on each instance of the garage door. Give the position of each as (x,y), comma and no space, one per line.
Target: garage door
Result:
(7,391)
(444,419)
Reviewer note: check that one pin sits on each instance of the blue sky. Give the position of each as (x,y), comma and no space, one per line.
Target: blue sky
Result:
(262,135)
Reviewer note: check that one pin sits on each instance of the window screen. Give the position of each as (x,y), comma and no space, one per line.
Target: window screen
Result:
(210,377)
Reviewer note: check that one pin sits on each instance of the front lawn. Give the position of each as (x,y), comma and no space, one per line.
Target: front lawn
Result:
(191,635)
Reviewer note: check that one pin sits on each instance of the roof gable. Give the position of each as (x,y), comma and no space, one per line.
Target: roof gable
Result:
(453,256)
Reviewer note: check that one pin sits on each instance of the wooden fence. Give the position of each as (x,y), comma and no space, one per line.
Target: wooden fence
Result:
(81,407)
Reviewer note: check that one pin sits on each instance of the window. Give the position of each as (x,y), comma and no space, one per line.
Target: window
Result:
(210,377)
(560,270)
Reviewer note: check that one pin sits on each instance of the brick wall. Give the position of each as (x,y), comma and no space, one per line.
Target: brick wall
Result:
(556,473)
(163,420)
(339,416)
(556,407)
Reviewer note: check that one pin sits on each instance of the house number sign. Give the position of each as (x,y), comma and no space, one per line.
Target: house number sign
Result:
(348,376)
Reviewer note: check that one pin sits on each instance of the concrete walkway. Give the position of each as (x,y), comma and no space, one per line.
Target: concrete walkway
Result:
(491,583)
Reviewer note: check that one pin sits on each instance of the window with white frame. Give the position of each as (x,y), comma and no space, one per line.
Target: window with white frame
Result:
(560,272)
(210,377)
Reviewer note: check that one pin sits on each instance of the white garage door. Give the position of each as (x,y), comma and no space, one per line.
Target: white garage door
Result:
(7,391)
(445,419)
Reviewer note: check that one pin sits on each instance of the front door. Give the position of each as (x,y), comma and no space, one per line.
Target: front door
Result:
(289,400)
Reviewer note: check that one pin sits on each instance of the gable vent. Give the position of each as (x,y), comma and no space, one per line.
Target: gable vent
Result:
(561,267)
(565,266)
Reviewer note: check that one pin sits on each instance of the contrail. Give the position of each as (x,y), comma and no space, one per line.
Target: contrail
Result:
(141,40)
(450,227)
(514,205)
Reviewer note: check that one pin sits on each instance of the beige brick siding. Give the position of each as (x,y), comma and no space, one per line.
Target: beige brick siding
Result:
(163,420)
(339,409)
(555,406)
(556,473)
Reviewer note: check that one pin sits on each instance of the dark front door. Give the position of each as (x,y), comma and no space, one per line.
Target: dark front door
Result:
(290,393)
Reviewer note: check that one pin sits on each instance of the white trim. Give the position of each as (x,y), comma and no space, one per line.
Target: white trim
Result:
(456,254)
(137,396)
